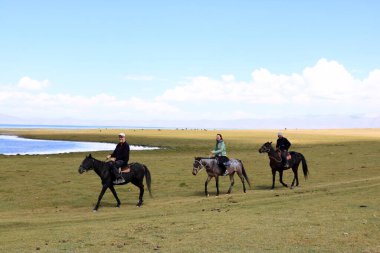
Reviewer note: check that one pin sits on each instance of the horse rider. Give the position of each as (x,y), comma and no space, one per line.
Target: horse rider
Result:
(119,158)
(220,154)
(283,144)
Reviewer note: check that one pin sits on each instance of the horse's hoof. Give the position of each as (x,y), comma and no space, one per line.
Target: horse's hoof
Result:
(94,211)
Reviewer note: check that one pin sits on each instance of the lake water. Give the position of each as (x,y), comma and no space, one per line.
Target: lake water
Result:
(13,145)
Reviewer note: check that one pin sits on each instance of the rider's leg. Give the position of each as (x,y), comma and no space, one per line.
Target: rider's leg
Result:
(284,158)
(220,160)
(225,163)
(117,172)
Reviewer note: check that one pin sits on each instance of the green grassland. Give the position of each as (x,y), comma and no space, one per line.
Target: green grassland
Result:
(46,206)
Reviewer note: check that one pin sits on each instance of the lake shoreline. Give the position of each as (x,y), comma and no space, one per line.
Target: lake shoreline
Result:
(15,145)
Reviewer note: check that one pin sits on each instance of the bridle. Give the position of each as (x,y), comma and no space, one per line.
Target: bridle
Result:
(87,169)
(199,165)
(267,150)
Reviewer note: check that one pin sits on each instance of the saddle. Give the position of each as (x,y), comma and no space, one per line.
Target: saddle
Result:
(125,169)
(288,156)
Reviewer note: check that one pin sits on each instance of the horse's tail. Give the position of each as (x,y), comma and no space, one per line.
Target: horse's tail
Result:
(245,174)
(148,179)
(304,166)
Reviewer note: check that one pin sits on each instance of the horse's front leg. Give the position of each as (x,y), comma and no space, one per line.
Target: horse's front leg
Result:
(281,172)
(104,188)
(115,195)
(206,183)
(232,182)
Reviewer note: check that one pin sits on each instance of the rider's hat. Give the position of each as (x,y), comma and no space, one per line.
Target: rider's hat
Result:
(122,134)
(279,134)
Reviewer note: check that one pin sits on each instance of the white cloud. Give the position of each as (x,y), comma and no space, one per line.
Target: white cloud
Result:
(101,106)
(326,82)
(325,88)
(30,84)
(228,78)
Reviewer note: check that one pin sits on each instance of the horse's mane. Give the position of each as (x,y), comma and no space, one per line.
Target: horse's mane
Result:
(199,158)
(101,163)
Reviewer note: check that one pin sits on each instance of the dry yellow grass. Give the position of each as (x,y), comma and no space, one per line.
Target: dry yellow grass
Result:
(336,210)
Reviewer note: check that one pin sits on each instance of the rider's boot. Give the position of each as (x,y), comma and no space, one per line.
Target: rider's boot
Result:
(226,164)
(119,177)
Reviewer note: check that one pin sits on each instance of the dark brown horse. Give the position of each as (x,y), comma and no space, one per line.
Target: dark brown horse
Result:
(276,164)
(213,170)
(135,176)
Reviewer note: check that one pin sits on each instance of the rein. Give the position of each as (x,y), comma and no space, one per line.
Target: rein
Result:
(95,161)
(200,164)
(271,157)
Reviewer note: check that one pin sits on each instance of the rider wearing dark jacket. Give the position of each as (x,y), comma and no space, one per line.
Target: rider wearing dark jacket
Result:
(283,144)
(119,158)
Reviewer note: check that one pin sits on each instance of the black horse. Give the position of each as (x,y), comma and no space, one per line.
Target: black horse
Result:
(135,176)
(276,164)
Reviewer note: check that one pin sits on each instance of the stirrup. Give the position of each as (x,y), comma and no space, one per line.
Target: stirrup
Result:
(228,163)
(119,180)
(226,173)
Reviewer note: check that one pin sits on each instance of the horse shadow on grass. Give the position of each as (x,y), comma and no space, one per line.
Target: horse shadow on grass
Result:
(255,188)
(263,187)
(113,204)
(202,193)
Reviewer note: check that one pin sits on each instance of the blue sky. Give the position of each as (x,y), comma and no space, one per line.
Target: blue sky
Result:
(154,61)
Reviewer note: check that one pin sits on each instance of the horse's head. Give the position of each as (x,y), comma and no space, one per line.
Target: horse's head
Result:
(197,165)
(87,164)
(266,147)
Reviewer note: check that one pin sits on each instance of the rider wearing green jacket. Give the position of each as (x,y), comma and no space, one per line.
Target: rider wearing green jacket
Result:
(220,153)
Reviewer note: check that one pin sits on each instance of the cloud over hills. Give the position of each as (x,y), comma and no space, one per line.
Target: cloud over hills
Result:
(326,94)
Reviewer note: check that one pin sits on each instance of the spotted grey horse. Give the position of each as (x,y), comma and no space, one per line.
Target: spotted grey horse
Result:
(213,170)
